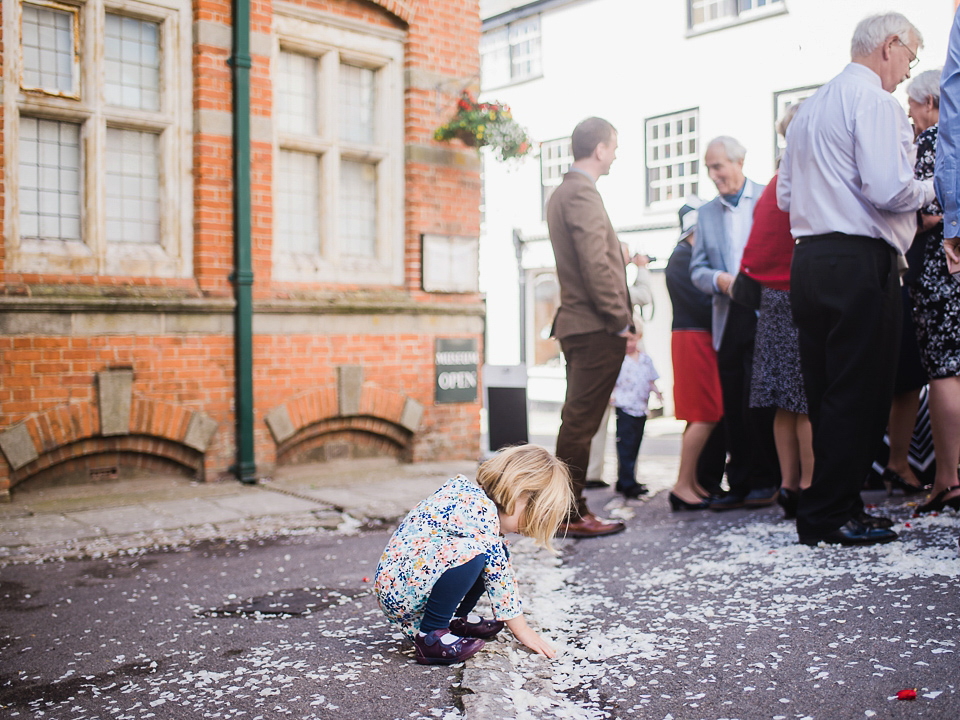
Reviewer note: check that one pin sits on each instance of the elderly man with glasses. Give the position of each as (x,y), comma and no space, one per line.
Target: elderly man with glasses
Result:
(847,180)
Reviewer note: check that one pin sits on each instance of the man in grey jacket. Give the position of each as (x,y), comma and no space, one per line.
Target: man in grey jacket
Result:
(723,227)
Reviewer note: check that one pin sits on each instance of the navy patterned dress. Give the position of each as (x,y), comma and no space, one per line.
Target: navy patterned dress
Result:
(935,294)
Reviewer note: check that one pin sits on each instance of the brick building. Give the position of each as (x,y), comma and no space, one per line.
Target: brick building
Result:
(117,305)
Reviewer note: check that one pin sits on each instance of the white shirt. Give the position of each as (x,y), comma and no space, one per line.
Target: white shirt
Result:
(634,384)
(737,221)
(849,163)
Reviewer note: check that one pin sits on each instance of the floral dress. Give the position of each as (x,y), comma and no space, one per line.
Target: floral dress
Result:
(449,528)
(935,294)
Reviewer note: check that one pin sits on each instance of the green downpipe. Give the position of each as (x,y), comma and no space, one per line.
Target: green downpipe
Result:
(242,277)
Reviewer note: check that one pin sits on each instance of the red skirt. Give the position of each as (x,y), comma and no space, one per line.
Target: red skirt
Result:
(696,380)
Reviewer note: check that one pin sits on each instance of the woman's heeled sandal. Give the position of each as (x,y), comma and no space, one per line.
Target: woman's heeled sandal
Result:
(937,502)
(893,481)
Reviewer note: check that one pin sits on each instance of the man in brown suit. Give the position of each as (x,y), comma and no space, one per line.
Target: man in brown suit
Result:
(594,317)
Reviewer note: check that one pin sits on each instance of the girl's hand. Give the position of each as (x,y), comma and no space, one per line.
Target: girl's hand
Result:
(525,634)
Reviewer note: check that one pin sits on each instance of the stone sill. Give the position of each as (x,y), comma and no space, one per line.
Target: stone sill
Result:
(334,304)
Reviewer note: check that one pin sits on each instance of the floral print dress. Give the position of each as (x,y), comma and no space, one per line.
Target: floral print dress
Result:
(449,528)
(935,294)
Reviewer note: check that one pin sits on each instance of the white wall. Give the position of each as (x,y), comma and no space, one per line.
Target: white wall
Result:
(626,61)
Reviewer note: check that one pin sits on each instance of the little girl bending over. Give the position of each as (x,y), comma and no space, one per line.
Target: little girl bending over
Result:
(450,548)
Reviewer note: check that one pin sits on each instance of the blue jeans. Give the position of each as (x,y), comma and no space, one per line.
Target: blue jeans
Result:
(629,437)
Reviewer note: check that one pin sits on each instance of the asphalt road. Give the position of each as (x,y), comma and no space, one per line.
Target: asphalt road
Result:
(683,616)
(271,629)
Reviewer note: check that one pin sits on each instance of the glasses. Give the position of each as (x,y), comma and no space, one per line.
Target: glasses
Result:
(915,59)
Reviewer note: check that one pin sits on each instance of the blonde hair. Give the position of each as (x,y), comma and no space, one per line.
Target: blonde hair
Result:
(529,471)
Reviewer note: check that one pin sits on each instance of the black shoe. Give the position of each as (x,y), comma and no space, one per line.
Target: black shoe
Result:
(789,500)
(937,503)
(892,481)
(595,484)
(874,521)
(677,503)
(853,532)
(634,491)
(729,501)
(761,497)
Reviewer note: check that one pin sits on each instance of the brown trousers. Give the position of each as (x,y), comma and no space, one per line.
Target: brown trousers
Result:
(593,364)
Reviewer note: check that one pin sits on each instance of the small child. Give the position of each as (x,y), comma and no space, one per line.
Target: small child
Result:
(450,548)
(636,381)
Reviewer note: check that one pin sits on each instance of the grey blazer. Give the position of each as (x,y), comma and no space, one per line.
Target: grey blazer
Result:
(712,252)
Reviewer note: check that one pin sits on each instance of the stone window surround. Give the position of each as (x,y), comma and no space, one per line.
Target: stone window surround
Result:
(301,30)
(173,256)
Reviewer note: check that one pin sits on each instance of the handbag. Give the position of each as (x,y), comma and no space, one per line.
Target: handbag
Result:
(746,291)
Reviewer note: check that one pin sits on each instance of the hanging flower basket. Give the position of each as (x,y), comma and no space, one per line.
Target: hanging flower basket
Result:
(466,136)
(486,125)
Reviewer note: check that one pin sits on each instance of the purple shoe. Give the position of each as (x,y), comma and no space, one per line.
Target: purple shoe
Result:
(431,650)
(484,629)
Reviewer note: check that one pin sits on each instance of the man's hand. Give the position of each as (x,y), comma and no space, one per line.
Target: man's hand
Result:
(724,282)
(525,634)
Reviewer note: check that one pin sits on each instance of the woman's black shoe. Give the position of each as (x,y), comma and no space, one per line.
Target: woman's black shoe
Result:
(892,481)
(789,500)
(937,503)
(677,503)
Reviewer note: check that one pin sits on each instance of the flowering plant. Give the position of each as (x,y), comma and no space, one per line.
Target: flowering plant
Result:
(488,124)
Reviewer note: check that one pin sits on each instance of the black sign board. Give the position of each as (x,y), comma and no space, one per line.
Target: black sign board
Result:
(456,361)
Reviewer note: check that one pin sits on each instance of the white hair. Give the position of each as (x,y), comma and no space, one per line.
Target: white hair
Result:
(873,30)
(787,117)
(925,85)
(735,151)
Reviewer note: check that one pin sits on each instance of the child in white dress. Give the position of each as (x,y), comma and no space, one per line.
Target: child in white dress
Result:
(631,395)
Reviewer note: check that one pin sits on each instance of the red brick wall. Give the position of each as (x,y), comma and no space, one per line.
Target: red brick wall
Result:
(40,373)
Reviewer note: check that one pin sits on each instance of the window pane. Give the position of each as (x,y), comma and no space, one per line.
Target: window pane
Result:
(49,194)
(671,161)
(358,208)
(495,57)
(525,48)
(131,62)
(132,186)
(296,106)
(298,202)
(556,156)
(357,104)
(48,51)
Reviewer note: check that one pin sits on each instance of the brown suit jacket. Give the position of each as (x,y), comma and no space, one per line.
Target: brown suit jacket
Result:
(593,279)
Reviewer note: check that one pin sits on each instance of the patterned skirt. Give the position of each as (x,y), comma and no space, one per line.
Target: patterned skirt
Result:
(936,312)
(777,381)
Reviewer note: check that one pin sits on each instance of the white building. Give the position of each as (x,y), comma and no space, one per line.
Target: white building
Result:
(670,76)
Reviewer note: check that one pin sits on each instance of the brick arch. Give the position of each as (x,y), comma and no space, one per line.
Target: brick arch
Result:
(321,424)
(69,439)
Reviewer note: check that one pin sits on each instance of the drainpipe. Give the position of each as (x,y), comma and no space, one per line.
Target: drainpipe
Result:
(522,277)
(242,276)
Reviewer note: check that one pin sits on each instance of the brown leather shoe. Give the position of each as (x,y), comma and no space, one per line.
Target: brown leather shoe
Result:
(590,526)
